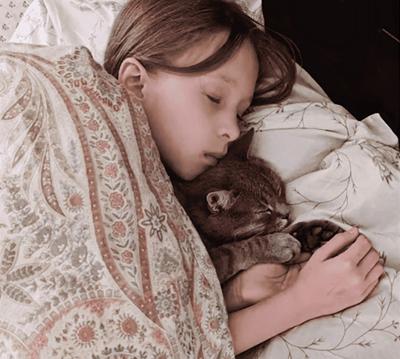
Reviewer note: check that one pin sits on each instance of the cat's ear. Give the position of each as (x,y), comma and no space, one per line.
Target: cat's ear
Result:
(222,200)
(240,148)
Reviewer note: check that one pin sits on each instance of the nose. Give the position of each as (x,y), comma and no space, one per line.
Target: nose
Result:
(284,219)
(284,211)
(229,129)
(286,216)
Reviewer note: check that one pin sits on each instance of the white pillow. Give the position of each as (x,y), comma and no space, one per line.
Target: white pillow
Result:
(70,22)
(81,22)
(10,14)
(89,22)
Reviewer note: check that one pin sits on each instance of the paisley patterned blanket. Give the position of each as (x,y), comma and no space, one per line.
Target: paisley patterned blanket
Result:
(97,258)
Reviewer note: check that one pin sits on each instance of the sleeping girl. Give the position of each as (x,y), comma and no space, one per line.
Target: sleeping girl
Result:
(197,67)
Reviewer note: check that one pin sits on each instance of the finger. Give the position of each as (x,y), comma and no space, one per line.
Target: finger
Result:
(303,257)
(358,250)
(382,258)
(368,262)
(291,276)
(367,291)
(375,273)
(336,244)
(270,270)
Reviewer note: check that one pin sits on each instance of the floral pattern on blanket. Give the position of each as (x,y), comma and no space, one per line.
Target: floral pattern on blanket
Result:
(347,171)
(97,258)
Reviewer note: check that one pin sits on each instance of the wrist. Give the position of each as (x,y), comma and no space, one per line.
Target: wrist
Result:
(267,318)
(307,309)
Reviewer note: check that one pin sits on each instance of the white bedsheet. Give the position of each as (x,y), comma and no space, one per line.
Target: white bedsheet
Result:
(347,171)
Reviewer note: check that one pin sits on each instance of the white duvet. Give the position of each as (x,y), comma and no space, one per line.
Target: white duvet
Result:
(347,171)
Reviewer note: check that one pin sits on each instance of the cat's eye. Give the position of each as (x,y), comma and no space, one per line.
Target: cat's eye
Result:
(264,211)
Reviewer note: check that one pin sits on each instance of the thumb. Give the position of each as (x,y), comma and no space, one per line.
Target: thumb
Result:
(303,257)
(335,245)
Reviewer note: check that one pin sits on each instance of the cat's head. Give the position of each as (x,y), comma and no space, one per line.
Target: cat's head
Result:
(238,198)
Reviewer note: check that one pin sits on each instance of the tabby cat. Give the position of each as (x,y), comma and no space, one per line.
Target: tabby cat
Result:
(240,211)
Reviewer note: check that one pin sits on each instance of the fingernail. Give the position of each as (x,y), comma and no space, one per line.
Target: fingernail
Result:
(353,230)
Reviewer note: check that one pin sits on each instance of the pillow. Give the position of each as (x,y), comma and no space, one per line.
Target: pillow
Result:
(10,14)
(97,258)
(89,22)
(82,22)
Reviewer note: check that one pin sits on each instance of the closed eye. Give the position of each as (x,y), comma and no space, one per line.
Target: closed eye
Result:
(217,100)
(214,99)
(267,211)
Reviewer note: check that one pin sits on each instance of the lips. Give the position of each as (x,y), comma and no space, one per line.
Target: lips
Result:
(211,159)
(214,157)
(217,155)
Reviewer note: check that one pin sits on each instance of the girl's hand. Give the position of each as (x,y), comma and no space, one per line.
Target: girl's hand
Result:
(329,282)
(259,282)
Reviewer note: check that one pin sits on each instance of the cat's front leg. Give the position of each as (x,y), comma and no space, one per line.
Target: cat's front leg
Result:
(231,258)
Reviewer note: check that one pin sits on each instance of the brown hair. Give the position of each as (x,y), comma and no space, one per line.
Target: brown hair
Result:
(153,31)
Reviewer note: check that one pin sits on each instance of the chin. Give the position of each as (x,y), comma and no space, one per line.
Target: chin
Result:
(189,175)
(178,172)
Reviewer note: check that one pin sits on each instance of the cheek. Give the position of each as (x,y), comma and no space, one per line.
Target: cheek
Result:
(179,126)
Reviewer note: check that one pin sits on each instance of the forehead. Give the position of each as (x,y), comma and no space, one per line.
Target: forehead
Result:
(244,59)
(243,65)
(203,49)
(240,72)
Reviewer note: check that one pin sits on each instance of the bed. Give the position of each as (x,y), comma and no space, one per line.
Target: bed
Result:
(98,259)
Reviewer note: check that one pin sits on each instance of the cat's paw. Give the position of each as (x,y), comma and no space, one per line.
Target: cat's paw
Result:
(313,234)
(283,248)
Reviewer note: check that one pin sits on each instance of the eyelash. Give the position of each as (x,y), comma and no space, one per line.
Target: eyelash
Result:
(217,101)
(214,99)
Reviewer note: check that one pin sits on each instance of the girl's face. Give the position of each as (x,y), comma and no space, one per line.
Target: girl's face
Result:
(194,117)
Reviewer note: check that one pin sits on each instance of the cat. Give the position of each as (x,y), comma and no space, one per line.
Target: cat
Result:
(239,208)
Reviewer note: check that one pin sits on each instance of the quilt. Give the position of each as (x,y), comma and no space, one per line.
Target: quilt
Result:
(97,258)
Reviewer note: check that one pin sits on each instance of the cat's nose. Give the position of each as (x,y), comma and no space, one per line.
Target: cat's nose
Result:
(285,218)
(283,222)
(284,211)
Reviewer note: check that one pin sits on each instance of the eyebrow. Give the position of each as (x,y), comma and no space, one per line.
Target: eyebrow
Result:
(227,79)
(231,81)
